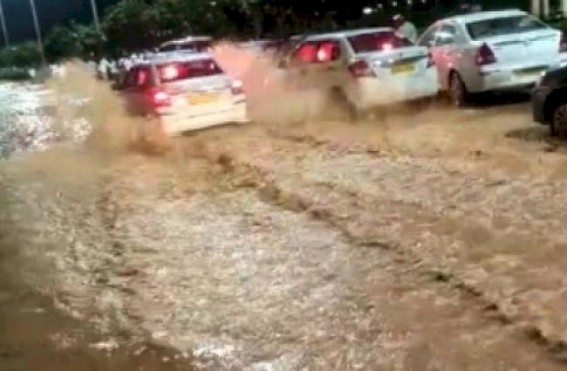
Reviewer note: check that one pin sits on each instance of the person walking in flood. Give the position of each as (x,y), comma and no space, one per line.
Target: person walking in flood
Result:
(405,28)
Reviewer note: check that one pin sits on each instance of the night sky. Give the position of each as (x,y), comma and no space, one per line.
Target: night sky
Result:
(19,20)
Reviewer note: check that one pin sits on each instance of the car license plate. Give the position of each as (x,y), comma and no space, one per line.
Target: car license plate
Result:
(403,68)
(529,72)
(202,98)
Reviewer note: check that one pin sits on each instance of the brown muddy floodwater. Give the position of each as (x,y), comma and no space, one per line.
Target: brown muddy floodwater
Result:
(422,240)
(34,335)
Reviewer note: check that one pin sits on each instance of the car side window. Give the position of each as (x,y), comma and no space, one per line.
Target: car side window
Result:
(320,51)
(306,53)
(447,35)
(328,51)
(428,38)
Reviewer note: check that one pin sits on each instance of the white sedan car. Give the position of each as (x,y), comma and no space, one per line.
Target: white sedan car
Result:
(491,51)
(364,68)
(182,92)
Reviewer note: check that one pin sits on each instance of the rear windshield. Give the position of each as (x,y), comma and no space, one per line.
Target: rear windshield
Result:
(177,71)
(504,26)
(377,41)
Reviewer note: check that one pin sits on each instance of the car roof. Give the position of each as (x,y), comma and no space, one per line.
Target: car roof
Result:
(187,40)
(348,33)
(171,57)
(485,15)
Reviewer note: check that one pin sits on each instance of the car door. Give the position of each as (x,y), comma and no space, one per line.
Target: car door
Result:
(428,39)
(446,51)
(442,41)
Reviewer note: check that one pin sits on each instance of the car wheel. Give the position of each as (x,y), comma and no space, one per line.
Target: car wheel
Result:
(559,121)
(457,90)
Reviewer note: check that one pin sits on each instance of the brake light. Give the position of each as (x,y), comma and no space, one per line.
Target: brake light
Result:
(361,69)
(161,98)
(563,43)
(169,72)
(236,87)
(485,55)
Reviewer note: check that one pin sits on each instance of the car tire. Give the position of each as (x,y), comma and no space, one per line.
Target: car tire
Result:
(558,122)
(458,93)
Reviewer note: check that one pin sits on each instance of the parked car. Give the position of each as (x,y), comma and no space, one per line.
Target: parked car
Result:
(182,92)
(199,44)
(362,69)
(549,101)
(491,51)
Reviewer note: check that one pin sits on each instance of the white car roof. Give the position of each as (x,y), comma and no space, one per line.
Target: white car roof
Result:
(485,15)
(187,39)
(349,33)
(174,57)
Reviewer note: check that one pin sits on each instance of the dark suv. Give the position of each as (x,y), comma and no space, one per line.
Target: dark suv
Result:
(549,101)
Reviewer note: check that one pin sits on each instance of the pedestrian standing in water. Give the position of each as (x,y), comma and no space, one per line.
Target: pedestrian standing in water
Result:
(405,28)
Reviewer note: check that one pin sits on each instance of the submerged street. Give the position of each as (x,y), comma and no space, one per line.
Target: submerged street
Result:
(428,238)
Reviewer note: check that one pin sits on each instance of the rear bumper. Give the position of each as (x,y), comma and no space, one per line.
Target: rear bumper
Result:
(373,92)
(175,124)
(539,98)
(495,79)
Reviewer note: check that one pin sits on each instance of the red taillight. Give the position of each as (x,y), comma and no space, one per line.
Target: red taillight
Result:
(361,69)
(236,87)
(160,98)
(169,72)
(563,43)
(485,55)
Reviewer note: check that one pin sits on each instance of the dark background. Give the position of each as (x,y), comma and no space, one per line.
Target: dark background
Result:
(19,19)
(20,24)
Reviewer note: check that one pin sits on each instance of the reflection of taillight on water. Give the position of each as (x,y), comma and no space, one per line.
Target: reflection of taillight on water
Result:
(236,87)
(485,55)
(160,98)
(563,43)
(361,69)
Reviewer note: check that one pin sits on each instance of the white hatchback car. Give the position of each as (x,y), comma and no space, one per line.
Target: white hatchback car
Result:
(364,68)
(491,51)
(183,92)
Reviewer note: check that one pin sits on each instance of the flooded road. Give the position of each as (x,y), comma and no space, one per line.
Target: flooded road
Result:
(428,239)
(36,334)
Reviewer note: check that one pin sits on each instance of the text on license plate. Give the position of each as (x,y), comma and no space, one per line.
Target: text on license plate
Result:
(403,68)
(529,72)
(202,98)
